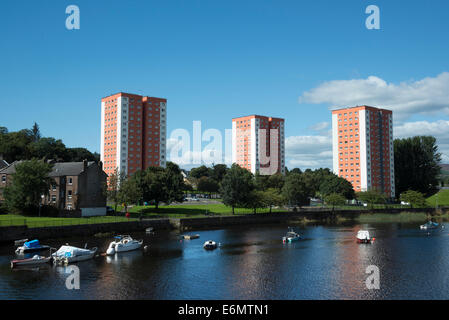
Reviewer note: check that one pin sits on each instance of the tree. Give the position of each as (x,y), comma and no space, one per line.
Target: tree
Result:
(154,185)
(295,190)
(335,199)
(201,171)
(218,172)
(206,184)
(30,181)
(255,200)
(48,148)
(415,198)
(276,181)
(416,164)
(273,197)
(236,186)
(335,184)
(36,133)
(173,183)
(129,192)
(371,197)
(112,187)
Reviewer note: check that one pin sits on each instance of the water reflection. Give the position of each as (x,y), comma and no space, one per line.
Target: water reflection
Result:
(251,263)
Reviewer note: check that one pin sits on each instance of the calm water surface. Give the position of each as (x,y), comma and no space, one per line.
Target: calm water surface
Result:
(251,263)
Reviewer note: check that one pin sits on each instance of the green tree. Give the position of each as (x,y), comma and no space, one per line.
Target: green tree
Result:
(295,190)
(335,199)
(218,172)
(273,197)
(48,148)
(416,164)
(335,184)
(209,185)
(371,197)
(173,183)
(112,187)
(415,198)
(129,192)
(255,200)
(30,181)
(236,187)
(201,171)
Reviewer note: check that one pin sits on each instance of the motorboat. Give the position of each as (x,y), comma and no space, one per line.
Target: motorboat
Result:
(210,245)
(31,247)
(363,236)
(291,236)
(34,261)
(149,230)
(123,244)
(429,225)
(69,254)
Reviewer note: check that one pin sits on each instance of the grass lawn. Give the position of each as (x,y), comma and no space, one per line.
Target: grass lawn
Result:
(36,222)
(191,211)
(442,196)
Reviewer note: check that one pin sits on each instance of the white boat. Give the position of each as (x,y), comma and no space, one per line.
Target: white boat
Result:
(123,244)
(210,245)
(363,236)
(34,261)
(291,236)
(68,254)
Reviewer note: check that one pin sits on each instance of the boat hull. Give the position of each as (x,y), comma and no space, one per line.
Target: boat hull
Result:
(78,258)
(363,240)
(30,262)
(22,250)
(129,247)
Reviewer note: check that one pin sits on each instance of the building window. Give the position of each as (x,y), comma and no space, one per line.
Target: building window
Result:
(69,194)
(70,181)
(4,179)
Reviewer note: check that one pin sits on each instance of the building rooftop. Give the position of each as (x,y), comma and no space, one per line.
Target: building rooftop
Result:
(59,168)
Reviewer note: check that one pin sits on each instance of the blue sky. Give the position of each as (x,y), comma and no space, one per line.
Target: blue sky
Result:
(215,60)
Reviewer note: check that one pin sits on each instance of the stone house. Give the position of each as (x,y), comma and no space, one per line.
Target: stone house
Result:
(76,186)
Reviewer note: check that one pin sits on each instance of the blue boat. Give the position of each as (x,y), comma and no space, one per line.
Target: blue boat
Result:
(429,225)
(291,236)
(31,247)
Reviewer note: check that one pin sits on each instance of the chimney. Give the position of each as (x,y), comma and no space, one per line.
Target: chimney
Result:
(84,164)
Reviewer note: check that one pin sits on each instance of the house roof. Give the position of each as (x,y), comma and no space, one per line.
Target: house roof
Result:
(3,164)
(59,168)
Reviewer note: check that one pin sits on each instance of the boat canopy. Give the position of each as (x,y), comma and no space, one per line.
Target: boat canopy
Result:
(69,251)
(363,234)
(32,244)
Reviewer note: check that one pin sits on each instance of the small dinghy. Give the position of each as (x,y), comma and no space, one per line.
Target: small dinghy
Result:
(31,247)
(210,245)
(291,236)
(34,261)
(429,225)
(68,254)
(123,244)
(363,237)
(149,230)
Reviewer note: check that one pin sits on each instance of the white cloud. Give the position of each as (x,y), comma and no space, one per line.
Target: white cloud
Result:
(309,151)
(429,95)
(319,126)
(439,129)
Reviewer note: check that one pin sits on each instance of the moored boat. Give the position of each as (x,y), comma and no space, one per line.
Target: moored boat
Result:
(34,261)
(429,225)
(363,236)
(123,244)
(69,254)
(291,236)
(210,245)
(31,247)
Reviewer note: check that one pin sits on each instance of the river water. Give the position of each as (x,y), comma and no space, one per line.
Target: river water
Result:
(251,263)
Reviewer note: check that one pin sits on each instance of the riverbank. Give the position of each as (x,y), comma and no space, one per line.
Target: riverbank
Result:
(12,233)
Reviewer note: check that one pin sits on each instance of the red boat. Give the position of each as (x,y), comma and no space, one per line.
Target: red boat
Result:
(34,261)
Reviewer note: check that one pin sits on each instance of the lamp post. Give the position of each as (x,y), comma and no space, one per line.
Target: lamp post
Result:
(40,204)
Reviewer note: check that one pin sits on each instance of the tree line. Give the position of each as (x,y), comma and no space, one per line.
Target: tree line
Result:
(27,144)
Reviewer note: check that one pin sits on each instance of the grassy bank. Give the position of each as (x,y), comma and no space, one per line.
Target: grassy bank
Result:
(8,220)
(441,198)
(192,211)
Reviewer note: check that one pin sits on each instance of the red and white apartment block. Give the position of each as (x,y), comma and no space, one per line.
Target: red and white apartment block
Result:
(363,148)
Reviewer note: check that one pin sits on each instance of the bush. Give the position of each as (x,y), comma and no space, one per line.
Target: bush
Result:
(3,208)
